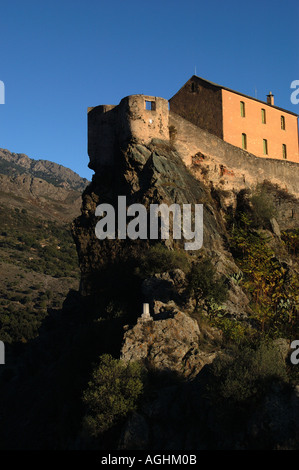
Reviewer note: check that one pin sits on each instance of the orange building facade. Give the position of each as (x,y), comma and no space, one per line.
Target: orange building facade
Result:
(258,127)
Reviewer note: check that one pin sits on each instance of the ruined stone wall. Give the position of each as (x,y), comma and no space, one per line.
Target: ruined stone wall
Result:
(102,125)
(138,122)
(110,127)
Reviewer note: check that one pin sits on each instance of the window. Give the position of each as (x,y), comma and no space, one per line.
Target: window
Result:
(244,141)
(284,151)
(263,116)
(265,146)
(150,105)
(282,123)
(242,105)
(193,87)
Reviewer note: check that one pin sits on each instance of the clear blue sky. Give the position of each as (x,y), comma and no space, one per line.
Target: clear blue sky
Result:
(59,57)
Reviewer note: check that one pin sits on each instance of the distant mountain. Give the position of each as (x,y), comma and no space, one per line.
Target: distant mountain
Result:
(13,164)
(38,258)
(45,189)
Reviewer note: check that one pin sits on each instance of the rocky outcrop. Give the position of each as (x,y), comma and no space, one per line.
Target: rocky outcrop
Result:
(146,174)
(170,345)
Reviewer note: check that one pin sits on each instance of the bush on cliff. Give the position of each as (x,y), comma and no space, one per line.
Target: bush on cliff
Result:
(262,208)
(111,394)
(271,285)
(246,372)
(158,259)
(203,283)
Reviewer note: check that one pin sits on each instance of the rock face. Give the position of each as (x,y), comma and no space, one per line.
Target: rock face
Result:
(169,345)
(145,174)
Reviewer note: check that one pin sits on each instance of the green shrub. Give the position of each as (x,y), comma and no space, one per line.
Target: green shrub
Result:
(233,330)
(159,259)
(291,240)
(111,394)
(203,283)
(272,289)
(246,372)
(262,208)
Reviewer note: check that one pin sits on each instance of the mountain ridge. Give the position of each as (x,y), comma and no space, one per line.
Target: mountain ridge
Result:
(42,187)
(38,200)
(52,172)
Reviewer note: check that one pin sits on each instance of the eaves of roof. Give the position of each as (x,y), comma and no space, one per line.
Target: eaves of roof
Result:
(242,94)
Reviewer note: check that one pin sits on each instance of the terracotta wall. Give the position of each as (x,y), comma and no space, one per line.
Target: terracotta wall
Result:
(234,125)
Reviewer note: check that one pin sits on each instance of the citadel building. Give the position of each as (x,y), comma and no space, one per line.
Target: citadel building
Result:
(259,127)
(256,127)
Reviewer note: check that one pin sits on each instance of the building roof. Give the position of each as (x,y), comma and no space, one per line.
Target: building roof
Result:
(241,94)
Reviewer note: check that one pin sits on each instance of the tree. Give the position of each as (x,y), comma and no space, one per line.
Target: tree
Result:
(262,208)
(203,283)
(111,394)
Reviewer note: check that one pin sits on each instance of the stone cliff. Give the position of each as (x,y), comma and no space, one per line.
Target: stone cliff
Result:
(146,174)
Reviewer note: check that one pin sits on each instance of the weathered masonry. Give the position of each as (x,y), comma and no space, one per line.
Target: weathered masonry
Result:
(258,127)
(137,117)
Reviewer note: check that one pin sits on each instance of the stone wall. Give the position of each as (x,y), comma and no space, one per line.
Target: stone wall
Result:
(235,167)
(137,117)
(200,103)
(143,118)
(102,125)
